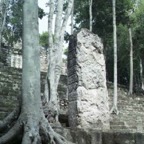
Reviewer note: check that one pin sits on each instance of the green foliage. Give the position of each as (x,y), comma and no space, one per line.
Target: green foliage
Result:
(102,15)
(13,31)
(123,54)
(127,14)
(44,39)
(41,13)
(66,51)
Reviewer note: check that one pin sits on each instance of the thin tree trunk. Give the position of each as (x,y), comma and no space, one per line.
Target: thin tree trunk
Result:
(49,52)
(141,74)
(53,75)
(58,21)
(72,20)
(131,63)
(3,11)
(115,97)
(55,53)
(67,14)
(90,14)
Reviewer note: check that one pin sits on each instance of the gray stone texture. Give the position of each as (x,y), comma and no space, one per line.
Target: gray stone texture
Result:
(89,136)
(14,57)
(10,82)
(131,116)
(131,110)
(10,89)
(87,90)
(4,55)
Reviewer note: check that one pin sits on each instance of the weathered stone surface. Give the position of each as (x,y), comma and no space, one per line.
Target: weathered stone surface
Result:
(87,90)
(80,136)
(10,89)
(116,137)
(4,55)
(131,110)
(89,136)
(14,58)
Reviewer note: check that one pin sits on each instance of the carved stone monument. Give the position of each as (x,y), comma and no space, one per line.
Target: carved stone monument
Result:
(87,90)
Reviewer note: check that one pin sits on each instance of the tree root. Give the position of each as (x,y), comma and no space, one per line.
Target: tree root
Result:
(12,133)
(114,110)
(31,138)
(52,137)
(9,119)
(35,131)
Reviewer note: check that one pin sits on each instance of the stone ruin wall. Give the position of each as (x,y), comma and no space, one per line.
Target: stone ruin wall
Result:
(10,79)
(126,128)
(131,116)
(10,89)
(87,90)
(16,57)
(4,56)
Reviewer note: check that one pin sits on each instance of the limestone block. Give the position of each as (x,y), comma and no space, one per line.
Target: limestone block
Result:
(87,90)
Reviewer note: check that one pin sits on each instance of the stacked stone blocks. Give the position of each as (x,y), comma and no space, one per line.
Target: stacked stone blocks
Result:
(87,90)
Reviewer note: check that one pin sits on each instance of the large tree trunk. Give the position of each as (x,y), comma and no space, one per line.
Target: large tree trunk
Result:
(31,122)
(131,63)
(31,101)
(115,97)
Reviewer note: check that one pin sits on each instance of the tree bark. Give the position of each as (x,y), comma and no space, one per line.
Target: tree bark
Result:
(72,20)
(141,74)
(131,63)
(49,52)
(31,101)
(90,14)
(55,54)
(3,12)
(115,97)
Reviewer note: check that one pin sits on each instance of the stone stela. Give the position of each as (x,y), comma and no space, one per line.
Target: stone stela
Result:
(87,90)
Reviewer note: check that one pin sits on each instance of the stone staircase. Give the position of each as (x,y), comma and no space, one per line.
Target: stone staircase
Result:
(131,108)
(10,82)
(131,112)
(10,89)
